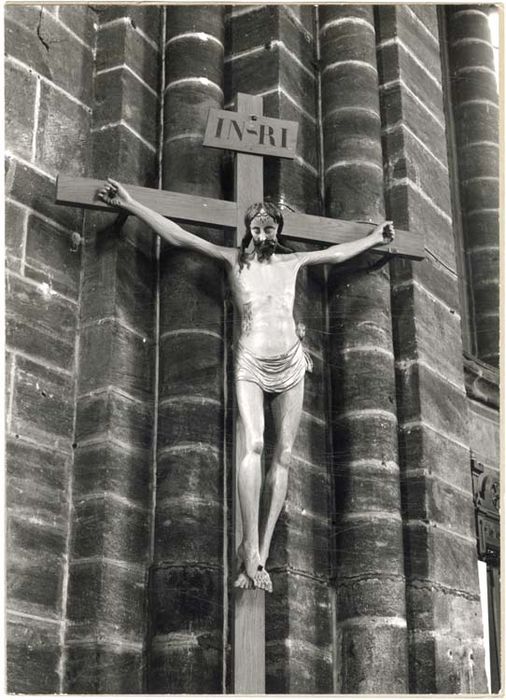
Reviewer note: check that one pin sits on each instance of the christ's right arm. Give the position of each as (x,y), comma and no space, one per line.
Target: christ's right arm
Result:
(116,195)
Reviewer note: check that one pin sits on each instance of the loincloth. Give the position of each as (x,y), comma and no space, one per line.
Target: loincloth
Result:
(273,374)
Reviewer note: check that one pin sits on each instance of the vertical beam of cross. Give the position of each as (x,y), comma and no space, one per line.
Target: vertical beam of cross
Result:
(249,611)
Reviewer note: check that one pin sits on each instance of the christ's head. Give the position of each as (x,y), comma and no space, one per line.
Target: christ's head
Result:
(264,221)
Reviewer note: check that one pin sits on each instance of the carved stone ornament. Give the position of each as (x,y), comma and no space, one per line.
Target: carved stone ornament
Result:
(486,500)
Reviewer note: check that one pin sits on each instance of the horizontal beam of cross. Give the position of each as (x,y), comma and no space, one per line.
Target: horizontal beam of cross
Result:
(218,213)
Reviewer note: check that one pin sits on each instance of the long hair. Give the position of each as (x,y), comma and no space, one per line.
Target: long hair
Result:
(275,213)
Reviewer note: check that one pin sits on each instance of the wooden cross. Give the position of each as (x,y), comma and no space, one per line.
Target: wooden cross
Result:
(252,135)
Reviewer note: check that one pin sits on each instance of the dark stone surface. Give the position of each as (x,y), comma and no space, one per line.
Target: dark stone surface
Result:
(186,110)
(477,122)
(184,594)
(15,222)
(191,363)
(348,85)
(192,291)
(35,568)
(117,151)
(294,184)
(62,134)
(105,601)
(481,159)
(36,481)
(33,655)
(59,56)
(103,526)
(54,255)
(186,667)
(475,85)
(42,405)
(80,19)
(121,96)
(364,437)
(38,192)
(190,420)
(384,670)
(40,324)
(363,380)
(146,18)
(188,530)
(103,669)
(191,57)
(121,43)
(370,594)
(369,544)
(481,193)
(364,490)
(434,278)
(195,470)
(192,166)
(107,467)
(343,42)
(301,541)
(111,414)
(463,25)
(200,18)
(109,354)
(19,110)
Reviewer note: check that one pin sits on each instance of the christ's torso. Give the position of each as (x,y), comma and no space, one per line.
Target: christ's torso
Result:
(264,294)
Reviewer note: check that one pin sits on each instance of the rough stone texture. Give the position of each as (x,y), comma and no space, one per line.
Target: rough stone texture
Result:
(475,104)
(439,544)
(33,653)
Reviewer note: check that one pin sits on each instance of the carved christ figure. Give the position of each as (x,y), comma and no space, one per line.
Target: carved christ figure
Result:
(269,358)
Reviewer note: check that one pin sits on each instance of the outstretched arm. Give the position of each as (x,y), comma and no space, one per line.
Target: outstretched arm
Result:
(383,233)
(116,195)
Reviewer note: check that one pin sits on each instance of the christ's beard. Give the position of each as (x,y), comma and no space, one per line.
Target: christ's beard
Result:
(265,249)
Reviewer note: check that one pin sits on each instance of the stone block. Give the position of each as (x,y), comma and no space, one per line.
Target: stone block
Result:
(440,282)
(189,420)
(473,54)
(311,442)
(19,110)
(483,193)
(32,189)
(301,542)
(370,595)
(189,530)
(465,25)
(121,96)
(348,187)
(447,612)
(363,380)
(475,85)
(80,19)
(191,363)
(191,292)
(118,152)
(104,526)
(398,105)
(429,222)
(346,42)
(328,13)
(52,256)
(15,226)
(36,483)
(479,160)
(40,323)
(106,467)
(172,667)
(477,122)
(28,16)
(190,57)
(105,602)
(364,437)
(440,557)
(111,355)
(435,338)
(365,661)
(35,568)
(33,655)
(485,267)
(202,18)
(195,469)
(54,53)
(427,15)
(352,135)
(368,544)
(119,44)
(359,489)
(294,184)
(112,414)
(103,669)
(484,432)
(431,499)
(423,395)
(408,159)
(193,168)
(186,111)
(268,24)
(350,85)
(42,405)
(146,18)
(186,598)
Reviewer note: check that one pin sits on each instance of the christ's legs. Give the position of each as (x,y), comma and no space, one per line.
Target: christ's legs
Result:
(250,401)
(286,409)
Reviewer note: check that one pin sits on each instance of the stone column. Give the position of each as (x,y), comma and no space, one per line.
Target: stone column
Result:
(109,548)
(187,607)
(476,118)
(48,102)
(271,51)
(368,566)
(442,595)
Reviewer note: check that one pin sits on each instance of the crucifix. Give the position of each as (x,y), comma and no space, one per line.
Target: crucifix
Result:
(268,354)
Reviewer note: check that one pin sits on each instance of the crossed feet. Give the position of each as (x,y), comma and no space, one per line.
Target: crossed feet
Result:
(251,570)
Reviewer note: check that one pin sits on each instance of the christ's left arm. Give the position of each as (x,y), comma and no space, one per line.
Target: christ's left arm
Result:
(381,235)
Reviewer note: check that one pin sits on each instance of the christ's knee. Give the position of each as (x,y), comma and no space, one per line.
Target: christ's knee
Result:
(254,447)
(283,457)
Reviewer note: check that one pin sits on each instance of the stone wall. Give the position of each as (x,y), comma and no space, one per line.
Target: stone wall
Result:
(119,355)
